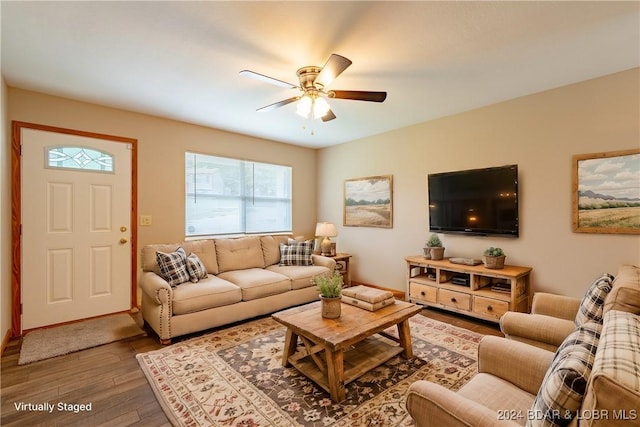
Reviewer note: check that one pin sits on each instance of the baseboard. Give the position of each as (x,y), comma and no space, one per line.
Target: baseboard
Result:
(396,293)
(5,341)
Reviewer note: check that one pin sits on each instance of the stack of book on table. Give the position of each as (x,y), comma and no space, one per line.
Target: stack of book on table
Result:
(368,298)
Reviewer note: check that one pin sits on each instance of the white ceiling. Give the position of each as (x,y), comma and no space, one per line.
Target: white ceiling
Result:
(181,60)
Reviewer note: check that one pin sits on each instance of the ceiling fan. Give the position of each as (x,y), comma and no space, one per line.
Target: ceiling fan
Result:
(313,95)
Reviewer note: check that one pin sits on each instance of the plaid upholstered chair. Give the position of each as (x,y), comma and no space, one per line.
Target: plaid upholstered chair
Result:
(554,317)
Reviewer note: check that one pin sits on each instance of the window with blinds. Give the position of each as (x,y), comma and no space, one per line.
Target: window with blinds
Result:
(232,196)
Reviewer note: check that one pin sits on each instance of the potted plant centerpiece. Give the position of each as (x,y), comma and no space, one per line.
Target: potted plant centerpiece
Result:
(330,288)
(494,258)
(435,247)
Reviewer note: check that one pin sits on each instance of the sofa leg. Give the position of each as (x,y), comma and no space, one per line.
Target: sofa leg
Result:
(166,341)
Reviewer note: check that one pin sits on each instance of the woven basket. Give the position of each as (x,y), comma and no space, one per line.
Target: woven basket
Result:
(494,262)
(437,253)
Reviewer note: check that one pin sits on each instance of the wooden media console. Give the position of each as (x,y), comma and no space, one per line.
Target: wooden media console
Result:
(472,290)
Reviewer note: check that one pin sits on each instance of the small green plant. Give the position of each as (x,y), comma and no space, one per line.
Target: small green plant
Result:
(491,251)
(329,286)
(434,241)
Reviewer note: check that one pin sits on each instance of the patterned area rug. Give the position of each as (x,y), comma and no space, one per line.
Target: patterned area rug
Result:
(234,377)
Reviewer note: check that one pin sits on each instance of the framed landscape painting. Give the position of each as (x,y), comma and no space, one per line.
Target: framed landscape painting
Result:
(368,202)
(606,192)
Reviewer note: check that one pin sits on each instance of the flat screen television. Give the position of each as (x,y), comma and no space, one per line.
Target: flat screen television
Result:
(476,202)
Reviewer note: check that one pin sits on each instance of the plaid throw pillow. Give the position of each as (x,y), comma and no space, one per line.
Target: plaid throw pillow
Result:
(173,266)
(564,385)
(593,300)
(196,268)
(298,253)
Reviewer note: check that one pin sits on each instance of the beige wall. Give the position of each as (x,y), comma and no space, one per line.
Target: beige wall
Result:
(540,133)
(161,147)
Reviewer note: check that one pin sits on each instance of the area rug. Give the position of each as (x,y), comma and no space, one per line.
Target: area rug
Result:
(234,377)
(42,344)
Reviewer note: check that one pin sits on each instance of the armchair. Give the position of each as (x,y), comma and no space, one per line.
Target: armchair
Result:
(551,320)
(509,376)
(554,317)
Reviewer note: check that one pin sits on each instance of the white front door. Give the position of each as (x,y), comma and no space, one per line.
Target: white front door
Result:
(76,214)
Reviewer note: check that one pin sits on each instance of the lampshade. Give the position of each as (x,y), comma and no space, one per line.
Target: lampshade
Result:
(320,108)
(305,104)
(312,106)
(326,229)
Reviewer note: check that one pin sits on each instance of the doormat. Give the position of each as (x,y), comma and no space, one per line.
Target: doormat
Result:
(235,377)
(46,343)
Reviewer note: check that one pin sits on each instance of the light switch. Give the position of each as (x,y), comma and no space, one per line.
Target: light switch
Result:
(145,220)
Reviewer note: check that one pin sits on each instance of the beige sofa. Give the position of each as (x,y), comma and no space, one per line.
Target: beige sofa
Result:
(244,280)
(513,375)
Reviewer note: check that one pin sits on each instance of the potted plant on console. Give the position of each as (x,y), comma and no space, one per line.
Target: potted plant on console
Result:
(494,258)
(435,247)
(330,288)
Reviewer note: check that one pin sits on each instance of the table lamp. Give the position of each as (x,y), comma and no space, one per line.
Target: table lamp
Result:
(326,230)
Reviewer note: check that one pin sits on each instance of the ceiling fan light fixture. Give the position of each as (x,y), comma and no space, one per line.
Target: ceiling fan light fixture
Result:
(320,107)
(312,102)
(313,106)
(305,105)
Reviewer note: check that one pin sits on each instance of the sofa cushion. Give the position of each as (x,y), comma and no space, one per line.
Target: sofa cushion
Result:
(239,254)
(257,282)
(300,275)
(206,251)
(593,300)
(207,293)
(196,268)
(271,248)
(173,266)
(564,385)
(149,258)
(296,253)
(625,295)
(498,394)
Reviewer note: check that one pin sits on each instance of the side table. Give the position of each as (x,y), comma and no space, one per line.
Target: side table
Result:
(342,265)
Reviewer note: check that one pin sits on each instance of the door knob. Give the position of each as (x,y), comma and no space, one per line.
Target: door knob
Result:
(123,241)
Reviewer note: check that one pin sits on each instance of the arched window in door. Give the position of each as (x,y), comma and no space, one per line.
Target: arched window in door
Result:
(79,158)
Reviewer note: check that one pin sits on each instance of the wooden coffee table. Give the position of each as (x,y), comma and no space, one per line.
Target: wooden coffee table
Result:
(335,352)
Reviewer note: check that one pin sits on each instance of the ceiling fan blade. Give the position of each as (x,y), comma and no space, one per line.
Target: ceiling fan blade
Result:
(278,104)
(359,95)
(335,65)
(328,116)
(262,77)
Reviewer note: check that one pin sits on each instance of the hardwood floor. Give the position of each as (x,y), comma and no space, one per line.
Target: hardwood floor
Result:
(110,379)
(470,323)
